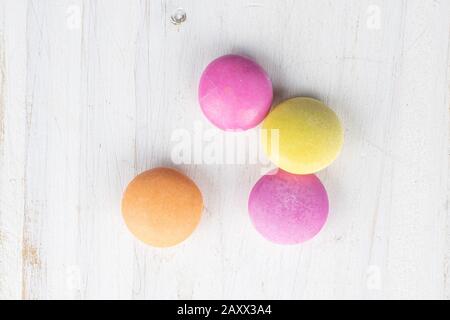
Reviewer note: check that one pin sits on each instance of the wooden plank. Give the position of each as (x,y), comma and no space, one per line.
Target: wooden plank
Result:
(13,56)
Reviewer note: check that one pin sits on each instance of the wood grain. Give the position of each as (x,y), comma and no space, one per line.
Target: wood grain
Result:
(92,90)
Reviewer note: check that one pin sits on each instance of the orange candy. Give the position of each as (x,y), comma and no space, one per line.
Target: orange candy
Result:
(162,207)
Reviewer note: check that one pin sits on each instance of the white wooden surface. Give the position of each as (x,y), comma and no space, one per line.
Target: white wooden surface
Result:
(90,92)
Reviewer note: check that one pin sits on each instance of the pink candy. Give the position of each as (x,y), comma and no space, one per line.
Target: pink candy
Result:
(287,208)
(235,93)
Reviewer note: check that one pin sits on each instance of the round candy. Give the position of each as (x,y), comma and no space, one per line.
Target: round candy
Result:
(235,93)
(162,207)
(309,136)
(288,208)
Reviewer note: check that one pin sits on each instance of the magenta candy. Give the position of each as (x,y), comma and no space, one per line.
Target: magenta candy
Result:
(235,93)
(288,208)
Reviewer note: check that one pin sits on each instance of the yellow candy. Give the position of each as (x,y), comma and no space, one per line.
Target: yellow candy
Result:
(308,139)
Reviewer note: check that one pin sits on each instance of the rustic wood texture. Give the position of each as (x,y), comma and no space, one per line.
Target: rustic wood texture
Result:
(91,92)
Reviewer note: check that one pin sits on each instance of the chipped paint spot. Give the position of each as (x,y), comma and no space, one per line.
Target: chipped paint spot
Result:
(30,254)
